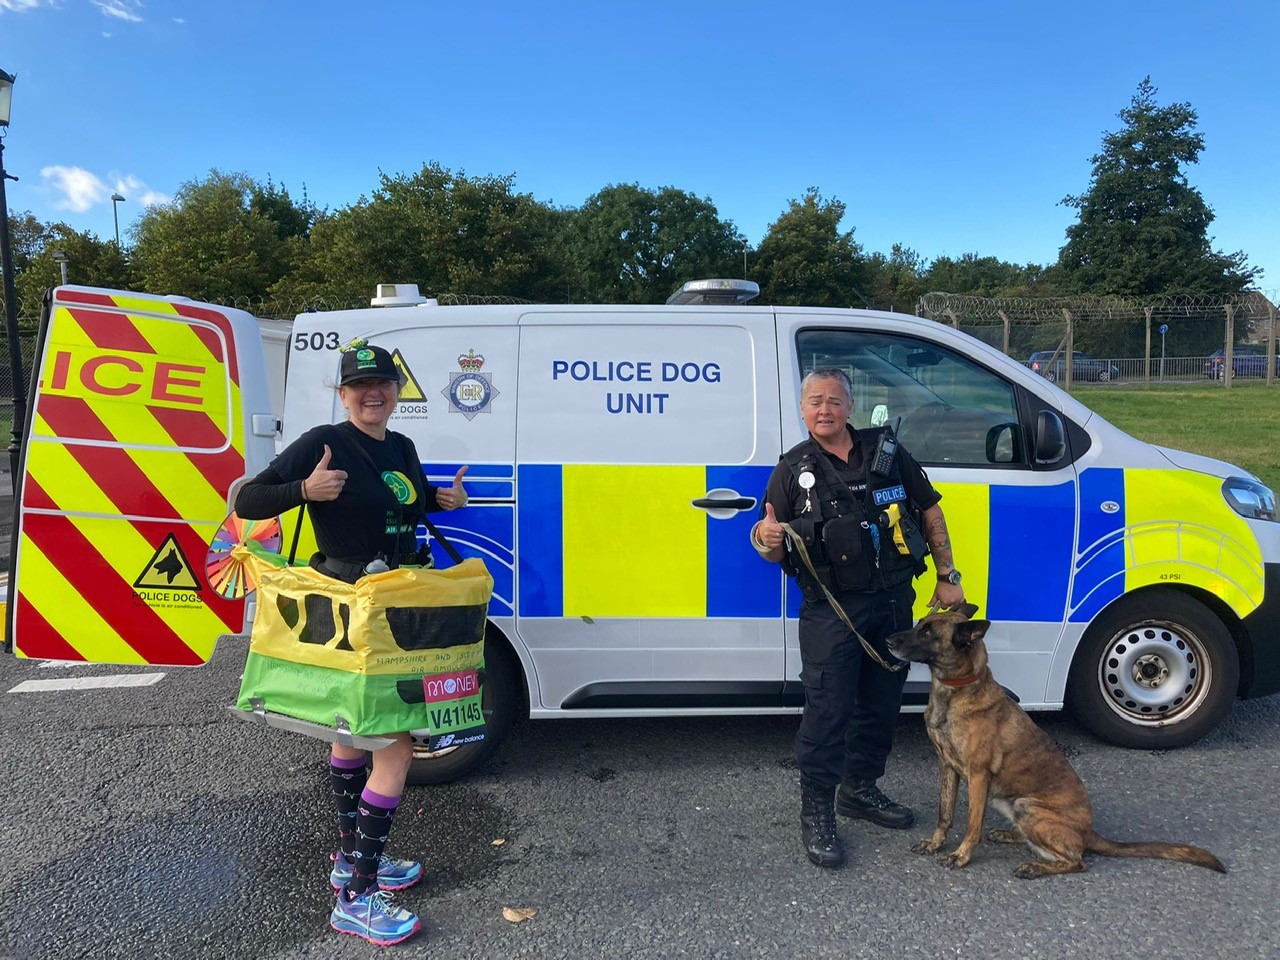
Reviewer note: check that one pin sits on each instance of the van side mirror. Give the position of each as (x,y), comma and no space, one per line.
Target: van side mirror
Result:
(1051,438)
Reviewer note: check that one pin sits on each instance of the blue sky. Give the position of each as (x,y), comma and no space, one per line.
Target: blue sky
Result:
(950,127)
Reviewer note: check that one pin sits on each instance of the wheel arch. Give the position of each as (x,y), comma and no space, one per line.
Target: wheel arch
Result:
(1216,605)
(495,634)
(1194,710)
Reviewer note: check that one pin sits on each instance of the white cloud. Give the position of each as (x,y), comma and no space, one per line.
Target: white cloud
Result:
(119,9)
(20,6)
(80,189)
(138,192)
(179,19)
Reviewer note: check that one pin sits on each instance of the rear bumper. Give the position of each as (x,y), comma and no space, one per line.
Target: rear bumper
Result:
(1263,628)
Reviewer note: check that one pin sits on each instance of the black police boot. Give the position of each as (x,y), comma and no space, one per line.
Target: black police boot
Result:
(818,825)
(862,798)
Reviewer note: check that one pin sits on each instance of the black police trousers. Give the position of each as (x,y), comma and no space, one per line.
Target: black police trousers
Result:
(851,703)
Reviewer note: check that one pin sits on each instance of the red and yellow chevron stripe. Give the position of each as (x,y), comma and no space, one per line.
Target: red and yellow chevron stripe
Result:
(136,437)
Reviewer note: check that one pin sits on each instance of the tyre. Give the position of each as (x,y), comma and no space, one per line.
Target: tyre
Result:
(1104,376)
(1159,670)
(500,699)
(1051,376)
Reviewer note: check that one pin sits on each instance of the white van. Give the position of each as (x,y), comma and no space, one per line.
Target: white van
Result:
(617,459)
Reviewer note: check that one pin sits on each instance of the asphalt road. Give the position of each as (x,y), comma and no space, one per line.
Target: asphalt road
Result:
(148,822)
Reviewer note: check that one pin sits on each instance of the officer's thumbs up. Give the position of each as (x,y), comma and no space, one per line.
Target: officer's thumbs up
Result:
(324,484)
(768,533)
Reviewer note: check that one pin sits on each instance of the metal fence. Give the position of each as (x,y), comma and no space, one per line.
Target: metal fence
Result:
(1126,342)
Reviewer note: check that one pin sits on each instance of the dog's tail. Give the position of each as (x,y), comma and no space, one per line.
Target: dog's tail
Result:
(1181,852)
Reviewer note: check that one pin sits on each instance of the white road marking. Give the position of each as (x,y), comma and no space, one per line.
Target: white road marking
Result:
(54,664)
(88,683)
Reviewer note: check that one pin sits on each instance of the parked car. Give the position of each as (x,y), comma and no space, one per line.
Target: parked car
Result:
(1246,361)
(1083,366)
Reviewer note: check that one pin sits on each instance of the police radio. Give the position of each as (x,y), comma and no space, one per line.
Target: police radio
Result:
(886,448)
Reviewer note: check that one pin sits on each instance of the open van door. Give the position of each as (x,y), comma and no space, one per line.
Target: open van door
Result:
(143,412)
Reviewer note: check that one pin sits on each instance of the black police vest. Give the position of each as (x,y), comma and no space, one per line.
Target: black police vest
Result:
(836,525)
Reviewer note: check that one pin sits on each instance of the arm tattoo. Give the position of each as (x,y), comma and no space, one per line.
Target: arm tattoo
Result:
(938,539)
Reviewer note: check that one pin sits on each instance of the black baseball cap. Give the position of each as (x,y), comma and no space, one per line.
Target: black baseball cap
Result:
(367,363)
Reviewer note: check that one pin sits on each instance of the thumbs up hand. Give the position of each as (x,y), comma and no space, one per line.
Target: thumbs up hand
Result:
(767,534)
(451,498)
(324,484)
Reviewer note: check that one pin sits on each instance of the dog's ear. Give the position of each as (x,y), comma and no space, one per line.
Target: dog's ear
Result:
(968,609)
(966,634)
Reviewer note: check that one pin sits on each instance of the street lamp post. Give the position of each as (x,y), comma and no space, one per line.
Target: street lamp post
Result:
(744,259)
(116,200)
(10,295)
(60,258)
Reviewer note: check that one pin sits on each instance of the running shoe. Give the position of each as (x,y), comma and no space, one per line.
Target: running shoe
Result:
(392,874)
(373,916)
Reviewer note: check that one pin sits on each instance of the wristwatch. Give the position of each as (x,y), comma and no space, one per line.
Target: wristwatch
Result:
(953,577)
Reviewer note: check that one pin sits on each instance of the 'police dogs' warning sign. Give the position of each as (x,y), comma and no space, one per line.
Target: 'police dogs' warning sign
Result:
(168,569)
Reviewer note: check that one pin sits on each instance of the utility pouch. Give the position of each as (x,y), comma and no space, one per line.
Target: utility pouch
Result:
(845,542)
(907,539)
(910,542)
(811,532)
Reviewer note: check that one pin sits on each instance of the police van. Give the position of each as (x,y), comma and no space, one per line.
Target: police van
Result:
(618,456)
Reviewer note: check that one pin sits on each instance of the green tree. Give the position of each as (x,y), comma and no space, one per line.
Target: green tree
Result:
(447,232)
(979,276)
(806,259)
(1143,229)
(896,282)
(630,244)
(210,243)
(91,262)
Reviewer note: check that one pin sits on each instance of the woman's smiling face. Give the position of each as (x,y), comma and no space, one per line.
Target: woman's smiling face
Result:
(370,403)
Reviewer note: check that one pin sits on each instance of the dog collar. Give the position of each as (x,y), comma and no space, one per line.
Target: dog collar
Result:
(962,681)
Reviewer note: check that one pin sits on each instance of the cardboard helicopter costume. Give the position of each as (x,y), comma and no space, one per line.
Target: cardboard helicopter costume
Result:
(368,638)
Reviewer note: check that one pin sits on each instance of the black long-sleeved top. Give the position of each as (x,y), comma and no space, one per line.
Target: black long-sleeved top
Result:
(379,508)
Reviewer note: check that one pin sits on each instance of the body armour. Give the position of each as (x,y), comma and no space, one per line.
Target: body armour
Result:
(836,526)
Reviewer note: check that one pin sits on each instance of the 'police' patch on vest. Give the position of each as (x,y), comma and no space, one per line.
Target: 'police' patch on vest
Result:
(890,495)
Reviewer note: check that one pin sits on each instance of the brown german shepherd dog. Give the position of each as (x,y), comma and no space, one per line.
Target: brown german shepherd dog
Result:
(982,735)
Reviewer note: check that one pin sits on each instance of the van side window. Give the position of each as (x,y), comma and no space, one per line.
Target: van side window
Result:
(952,410)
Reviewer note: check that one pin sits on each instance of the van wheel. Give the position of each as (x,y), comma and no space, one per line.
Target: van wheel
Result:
(1157,671)
(499,699)
(1104,376)
(1051,376)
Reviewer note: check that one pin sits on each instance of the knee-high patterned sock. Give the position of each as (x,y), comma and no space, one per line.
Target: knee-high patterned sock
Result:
(347,778)
(373,826)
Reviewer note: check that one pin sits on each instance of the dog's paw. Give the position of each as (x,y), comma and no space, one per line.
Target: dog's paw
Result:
(1004,836)
(954,861)
(926,846)
(1029,870)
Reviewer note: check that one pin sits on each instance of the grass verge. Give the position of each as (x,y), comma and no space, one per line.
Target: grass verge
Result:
(1240,425)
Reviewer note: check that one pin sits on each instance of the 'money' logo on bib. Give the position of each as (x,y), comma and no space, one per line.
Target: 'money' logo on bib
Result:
(890,495)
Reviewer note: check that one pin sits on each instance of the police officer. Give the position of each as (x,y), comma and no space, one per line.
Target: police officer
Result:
(850,495)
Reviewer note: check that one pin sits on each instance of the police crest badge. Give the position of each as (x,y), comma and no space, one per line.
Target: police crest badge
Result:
(470,391)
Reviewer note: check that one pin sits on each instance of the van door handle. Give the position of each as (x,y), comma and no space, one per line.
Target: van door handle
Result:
(740,503)
(723,504)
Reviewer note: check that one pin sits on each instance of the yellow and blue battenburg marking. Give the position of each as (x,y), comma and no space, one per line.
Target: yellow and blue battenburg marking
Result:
(484,529)
(626,541)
